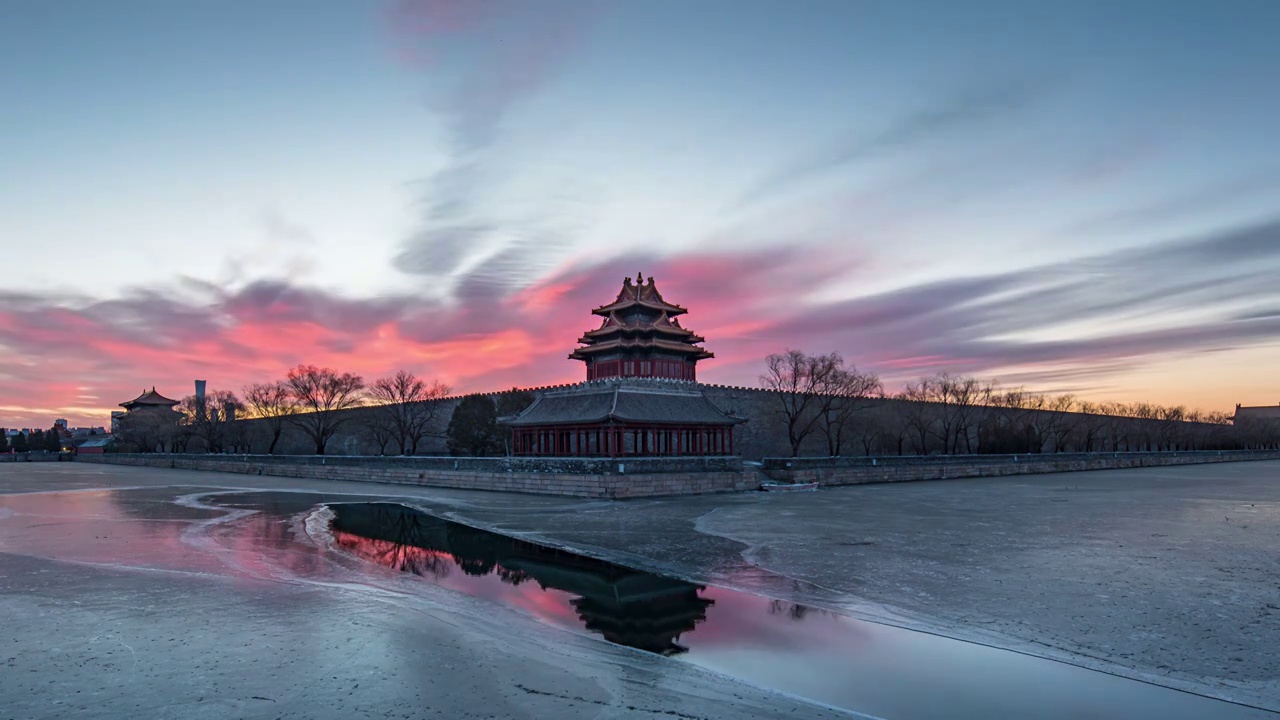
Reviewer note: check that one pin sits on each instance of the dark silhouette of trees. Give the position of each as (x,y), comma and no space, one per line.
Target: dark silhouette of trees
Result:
(320,395)
(514,401)
(53,439)
(148,430)
(20,443)
(473,428)
(847,393)
(404,409)
(800,380)
(271,404)
(209,419)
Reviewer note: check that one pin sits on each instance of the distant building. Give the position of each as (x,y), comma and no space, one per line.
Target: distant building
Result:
(61,422)
(115,420)
(640,397)
(149,423)
(95,445)
(1245,415)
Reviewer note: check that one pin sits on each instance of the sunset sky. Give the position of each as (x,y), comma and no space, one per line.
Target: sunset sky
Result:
(1072,196)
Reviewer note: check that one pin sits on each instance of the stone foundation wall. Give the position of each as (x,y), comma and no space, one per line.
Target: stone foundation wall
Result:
(856,471)
(659,477)
(591,478)
(34,457)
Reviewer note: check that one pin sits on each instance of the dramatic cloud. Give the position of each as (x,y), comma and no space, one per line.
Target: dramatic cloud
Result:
(1052,325)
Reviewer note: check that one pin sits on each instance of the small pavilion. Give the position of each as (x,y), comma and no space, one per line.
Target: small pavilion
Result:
(640,397)
(149,400)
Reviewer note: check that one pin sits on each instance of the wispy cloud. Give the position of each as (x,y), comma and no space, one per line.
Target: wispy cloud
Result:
(1183,206)
(512,49)
(969,108)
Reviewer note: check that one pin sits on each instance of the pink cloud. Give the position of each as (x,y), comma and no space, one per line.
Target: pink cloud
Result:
(78,357)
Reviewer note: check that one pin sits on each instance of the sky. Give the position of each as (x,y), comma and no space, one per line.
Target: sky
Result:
(1072,197)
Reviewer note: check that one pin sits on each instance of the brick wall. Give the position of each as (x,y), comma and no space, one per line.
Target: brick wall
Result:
(876,430)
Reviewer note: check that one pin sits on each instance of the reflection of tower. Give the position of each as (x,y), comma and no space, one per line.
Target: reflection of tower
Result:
(626,606)
(649,620)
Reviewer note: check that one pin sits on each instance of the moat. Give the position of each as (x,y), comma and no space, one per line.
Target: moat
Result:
(137,598)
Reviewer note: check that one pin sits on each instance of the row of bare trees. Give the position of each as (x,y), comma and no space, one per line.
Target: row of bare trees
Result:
(313,399)
(818,395)
(401,413)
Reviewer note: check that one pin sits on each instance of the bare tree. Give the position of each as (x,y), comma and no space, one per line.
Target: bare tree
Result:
(379,428)
(407,406)
(846,392)
(1090,426)
(321,394)
(1061,420)
(946,406)
(963,396)
(798,379)
(918,416)
(270,403)
(209,418)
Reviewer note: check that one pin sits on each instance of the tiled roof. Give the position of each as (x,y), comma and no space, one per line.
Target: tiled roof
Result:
(1258,412)
(150,397)
(641,293)
(623,401)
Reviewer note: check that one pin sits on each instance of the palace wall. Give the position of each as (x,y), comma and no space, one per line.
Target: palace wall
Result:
(884,427)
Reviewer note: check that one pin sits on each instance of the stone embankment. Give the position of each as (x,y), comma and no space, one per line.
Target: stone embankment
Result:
(577,477)
(658,477)
(860,470)
(34,457)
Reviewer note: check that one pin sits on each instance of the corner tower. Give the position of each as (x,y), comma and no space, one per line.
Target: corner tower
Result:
(640,336)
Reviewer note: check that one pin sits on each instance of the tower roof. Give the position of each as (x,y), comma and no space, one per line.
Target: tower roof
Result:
(625,401)
(640,322)
(639,294)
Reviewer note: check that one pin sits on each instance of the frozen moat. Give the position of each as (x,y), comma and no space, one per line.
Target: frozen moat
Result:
(203,601)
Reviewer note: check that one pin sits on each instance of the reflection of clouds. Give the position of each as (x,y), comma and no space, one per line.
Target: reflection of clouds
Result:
(750,621)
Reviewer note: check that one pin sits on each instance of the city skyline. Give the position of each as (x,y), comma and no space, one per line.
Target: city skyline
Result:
(1075,199)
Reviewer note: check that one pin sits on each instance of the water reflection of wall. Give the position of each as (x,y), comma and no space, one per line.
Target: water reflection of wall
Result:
(626,606)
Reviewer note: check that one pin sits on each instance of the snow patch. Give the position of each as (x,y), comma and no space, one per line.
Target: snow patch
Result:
(318,527)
